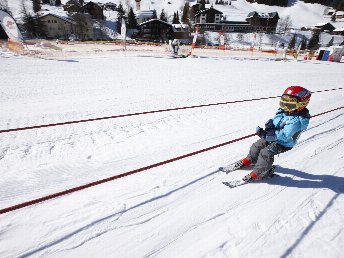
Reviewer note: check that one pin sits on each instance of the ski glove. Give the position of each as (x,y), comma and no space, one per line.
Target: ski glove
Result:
(269,125)
(260,132)
(270,131)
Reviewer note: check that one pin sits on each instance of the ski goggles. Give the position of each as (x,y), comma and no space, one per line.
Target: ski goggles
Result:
(291,103)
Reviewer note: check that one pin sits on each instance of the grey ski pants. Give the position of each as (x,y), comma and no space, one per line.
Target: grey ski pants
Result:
(262,155)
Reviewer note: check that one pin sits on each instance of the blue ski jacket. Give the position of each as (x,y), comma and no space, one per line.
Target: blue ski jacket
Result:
(289,127)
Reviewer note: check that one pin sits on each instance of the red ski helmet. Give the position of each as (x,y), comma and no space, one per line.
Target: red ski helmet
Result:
(295,98)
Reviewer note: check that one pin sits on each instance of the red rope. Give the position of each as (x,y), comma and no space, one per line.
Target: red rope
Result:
(79,188)
(145,113)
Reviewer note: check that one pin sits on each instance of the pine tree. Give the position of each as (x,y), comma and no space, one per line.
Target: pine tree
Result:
(186,13)
(36,5)
(314,41)
(174,21)
(132,22)
(163,16)
(303,43)
(292,42)
(120,16)
(32,25)
(177,16)
(58,3)
(202,5)
(330,43)
(333,17)
(154,16)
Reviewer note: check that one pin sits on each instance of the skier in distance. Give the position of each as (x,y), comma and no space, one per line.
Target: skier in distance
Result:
(280,134)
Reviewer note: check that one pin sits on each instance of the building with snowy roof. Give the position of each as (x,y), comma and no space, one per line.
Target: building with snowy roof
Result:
(266,22)
(323,27)
(155,30)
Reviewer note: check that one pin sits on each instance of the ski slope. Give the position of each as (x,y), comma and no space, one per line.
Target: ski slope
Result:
(176,210)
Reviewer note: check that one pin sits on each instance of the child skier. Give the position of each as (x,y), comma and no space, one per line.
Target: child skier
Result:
(280,134)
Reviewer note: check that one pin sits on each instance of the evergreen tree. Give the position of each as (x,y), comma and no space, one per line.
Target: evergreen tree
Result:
(186,13)
(31,24)
(330,43)
(333,17)
(58,3)
(178,19)
(341,44)
(163,16)
(120,16)
(46,1)
(132,22)
(292,42)
(202,5)
(303,43)
(174,20)
(314,41)
(155,16)
(36,5)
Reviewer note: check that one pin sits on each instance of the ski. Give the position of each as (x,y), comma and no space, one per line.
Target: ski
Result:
(235,183)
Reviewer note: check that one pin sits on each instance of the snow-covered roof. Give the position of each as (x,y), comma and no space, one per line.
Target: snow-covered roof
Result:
(207,10)
(155,20)
(339,29)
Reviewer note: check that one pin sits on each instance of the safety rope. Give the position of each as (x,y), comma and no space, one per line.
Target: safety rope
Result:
(145,113)
(81,187)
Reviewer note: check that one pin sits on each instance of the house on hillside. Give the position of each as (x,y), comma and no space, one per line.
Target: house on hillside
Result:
(181,31)
(329,11)
(339,14)
(265,22)
(95,10)
(210,15)
(155,30)
(321,27)
(73,8)
(57,27)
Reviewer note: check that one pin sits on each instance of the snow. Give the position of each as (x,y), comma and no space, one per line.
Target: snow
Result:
(176,210)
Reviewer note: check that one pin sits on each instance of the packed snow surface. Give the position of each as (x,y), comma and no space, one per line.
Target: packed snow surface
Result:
(177,210)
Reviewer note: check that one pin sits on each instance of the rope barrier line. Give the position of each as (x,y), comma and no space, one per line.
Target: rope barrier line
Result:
(81,187)
(145,113)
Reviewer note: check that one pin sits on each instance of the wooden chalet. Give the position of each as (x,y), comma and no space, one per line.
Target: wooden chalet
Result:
(338,31)
(264,22)
(321,27)
(181,31)
(95,10)
(210,15)
(155,30)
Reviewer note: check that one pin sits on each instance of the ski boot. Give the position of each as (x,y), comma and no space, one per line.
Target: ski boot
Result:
(235,166)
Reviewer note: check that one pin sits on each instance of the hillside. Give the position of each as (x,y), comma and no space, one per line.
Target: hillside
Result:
(302,14)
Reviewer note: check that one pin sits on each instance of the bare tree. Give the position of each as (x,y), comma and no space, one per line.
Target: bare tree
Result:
(284,24)
(4,5)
